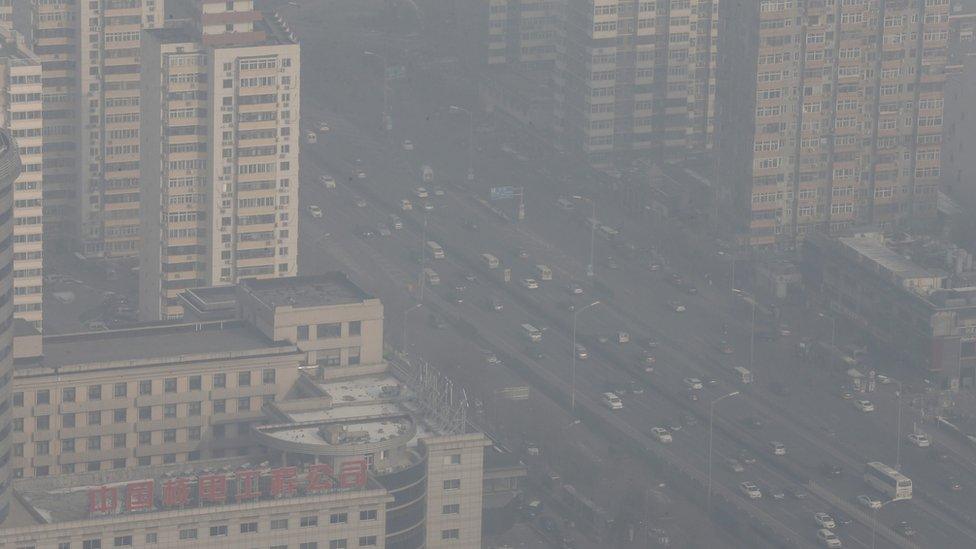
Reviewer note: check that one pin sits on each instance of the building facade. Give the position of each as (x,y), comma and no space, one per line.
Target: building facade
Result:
(848,116)
(959,167)
(90,55)
(635,77)
(21,114)
(220,118)
(9,171)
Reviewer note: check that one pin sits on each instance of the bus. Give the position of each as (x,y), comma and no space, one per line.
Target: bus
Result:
(887,481)
(607,232)
(532,333)
(490,260)
(431,276)
(745,376)
(435,250)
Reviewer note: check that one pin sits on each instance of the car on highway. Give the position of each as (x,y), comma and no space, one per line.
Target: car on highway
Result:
(676,279)
(724,347)
(428,206)
(824,520)
(323,127)
(406,205)
(746,457)
(778,448)
(611,263)
(436,322)
(919,439)
(676,306)
(753,422)
(469,225)
(383,230)
(883,379)
(327,181)
(360,203)
(846,395)
(492,359)
(691,290)
(494,304)
(581,352)
(689,420)
(315,211)
(750,489)
(953,484)
(653,266)
(522,253)
(575,289)
(772,491)
(360,174)
(797,492)
(870,502)
(635,388)
(407,145)
(905,529)
(735,466)
(438,191)
(831,469)
(661,434)
(842,520)
(612,401)
(421,192)
(396,223)
(530,283)
(828,539)
(693,383)
(864,405)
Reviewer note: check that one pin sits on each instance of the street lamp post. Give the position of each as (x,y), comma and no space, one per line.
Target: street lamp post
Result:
(423,257)
(405,312)
(572,375)
(387,115)
(455,108)
(898,431)
(874,525)
(711,412)
(833,328)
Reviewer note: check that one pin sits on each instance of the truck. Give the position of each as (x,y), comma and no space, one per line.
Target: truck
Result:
(427,173)
(435,250)
(490,260)
(531,332)
(744,375)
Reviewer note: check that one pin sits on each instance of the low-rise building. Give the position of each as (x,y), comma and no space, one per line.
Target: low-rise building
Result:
(910,311)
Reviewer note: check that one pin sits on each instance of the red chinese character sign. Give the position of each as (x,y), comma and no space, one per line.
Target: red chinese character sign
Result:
(241,486)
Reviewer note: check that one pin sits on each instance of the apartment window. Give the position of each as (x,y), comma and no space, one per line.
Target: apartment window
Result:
(145,461)
(119,415)
(367,541)
(19,449)
(91,544)
(94,392)
(121,389)
(67,421)
(244,404)
(279,524)
(219,406)
(338,544)
(43,423)
(118,440)
(355,327)
(64,545)
(43,397)
(68,394)
(145,387)
(369,514)
(353,355)
(308,522)
(308,545)
(195,383)
(303,333)
(95,418)
(338,518)
(193,433)
(152,537)
(249,527)
(42,471)
(244,379)
(169,435)
(218,531)
(145,437)
(67,445)
(18,399)
(123,541)
(219,431)
(451,509)
(18,425)
(145,413)
(169,411)
(268,377)
(327,331)
(188,533)
(95,443)
(219,381)
(452,484)
(452,533)
(42,448)
(169,385)
(452,459)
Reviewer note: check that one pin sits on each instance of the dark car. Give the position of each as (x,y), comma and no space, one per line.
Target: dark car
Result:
(841,519)
(691,290)
(905,529)
(548,525)
(797,492)
(436,322)
(831,469)
(953,484)
(753,422)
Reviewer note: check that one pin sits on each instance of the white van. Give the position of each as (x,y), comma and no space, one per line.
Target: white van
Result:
(545,273)
(328,181)
(435,250)
(745,376)
(490,260)
(432,277)
(310,137)
(612,401)
(427,173)
(532,333)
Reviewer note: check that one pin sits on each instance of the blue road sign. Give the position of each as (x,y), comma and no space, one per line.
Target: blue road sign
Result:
(502,193)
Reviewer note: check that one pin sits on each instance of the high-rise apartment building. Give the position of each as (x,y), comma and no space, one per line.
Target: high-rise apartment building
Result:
(20,114)
(90,56)
(634,76)
(9,171)
(220,114)
(521,31)
(847,123)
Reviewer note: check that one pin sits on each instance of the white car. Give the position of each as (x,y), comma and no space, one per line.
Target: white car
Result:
(919,439)
(530,284)
(315,210)
(438,191)
(864,405)
(405,205)
(869,501)
(407,145)
(661,434)
(360,203)
(676,306)
(612,401)
(421,192)
(328,181)
(883,379)
(828,538)
(693,383)
(428,206)
(492,359)
(750,489)
(778,448)
(323,127)
(825,521)
(360,174)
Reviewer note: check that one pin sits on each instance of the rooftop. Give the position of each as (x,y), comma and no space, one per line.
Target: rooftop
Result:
(872,248)
(332,288)
(151,345)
